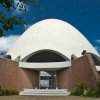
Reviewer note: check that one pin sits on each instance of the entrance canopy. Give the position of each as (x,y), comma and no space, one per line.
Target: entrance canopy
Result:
(45,59)
(45,66)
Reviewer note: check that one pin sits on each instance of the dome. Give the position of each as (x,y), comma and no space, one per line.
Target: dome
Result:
(51,34)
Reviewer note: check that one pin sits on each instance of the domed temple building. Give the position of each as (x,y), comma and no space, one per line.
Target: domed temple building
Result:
(51,54)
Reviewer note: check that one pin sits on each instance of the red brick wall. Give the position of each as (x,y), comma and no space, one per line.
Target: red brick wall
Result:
(83,70)
(99,73)
(13,77)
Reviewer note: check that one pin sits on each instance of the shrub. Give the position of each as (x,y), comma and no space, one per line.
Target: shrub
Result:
(8,92)
(82,90)
(89,92)
(79,90)
(2,91)
(76,92)
(14,92)
(97,90)
(93,92)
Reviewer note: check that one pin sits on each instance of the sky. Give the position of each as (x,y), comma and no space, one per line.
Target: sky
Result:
(82,14)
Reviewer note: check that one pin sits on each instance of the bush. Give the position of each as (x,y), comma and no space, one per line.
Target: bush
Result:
(93,92)
(97,90)
(14,92)
(89,93)
(83,91)
(79,90)
(8,92)
(2,91)
(76,92)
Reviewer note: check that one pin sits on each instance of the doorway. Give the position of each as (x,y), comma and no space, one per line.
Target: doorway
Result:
(47,80)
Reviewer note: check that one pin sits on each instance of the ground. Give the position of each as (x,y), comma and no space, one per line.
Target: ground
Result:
(46,98)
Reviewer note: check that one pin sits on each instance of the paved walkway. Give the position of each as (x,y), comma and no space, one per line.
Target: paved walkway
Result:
(46,98)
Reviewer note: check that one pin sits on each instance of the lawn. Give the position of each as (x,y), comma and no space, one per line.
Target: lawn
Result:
(46,98)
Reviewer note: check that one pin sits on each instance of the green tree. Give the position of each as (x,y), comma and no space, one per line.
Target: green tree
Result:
(99,51)
(8,23)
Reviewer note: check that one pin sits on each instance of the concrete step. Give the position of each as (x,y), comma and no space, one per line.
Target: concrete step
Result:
(56,92)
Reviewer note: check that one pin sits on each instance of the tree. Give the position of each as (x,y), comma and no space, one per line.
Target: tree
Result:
(99,51)
(8,23)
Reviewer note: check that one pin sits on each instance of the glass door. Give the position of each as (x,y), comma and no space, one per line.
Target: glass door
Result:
(48,80)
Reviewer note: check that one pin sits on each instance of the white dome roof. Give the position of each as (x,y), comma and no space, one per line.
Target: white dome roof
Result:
(51,34)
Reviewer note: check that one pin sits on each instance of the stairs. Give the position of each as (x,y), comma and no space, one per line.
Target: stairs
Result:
(57,92)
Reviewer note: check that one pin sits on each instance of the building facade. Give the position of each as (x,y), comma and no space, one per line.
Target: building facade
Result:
(50,54)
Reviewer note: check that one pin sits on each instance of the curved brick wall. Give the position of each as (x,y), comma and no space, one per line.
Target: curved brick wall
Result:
(83,70)
(13,77)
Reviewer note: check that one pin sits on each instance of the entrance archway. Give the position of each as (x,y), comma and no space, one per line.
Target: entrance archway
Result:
(47,77)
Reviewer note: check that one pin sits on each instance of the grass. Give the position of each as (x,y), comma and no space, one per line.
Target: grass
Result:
(47,98)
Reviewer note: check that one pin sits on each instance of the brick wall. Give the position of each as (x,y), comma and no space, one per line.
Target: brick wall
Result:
(83,70)
(99,73)
(13,77)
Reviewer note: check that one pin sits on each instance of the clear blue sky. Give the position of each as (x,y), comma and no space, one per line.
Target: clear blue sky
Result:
(82,14)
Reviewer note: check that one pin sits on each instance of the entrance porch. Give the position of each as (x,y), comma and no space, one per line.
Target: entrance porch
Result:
(47,76)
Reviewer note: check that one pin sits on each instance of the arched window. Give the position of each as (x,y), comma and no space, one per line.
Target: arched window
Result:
(45,56)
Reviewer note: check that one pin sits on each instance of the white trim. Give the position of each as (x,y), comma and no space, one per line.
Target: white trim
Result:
(98,68)
(45,66)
